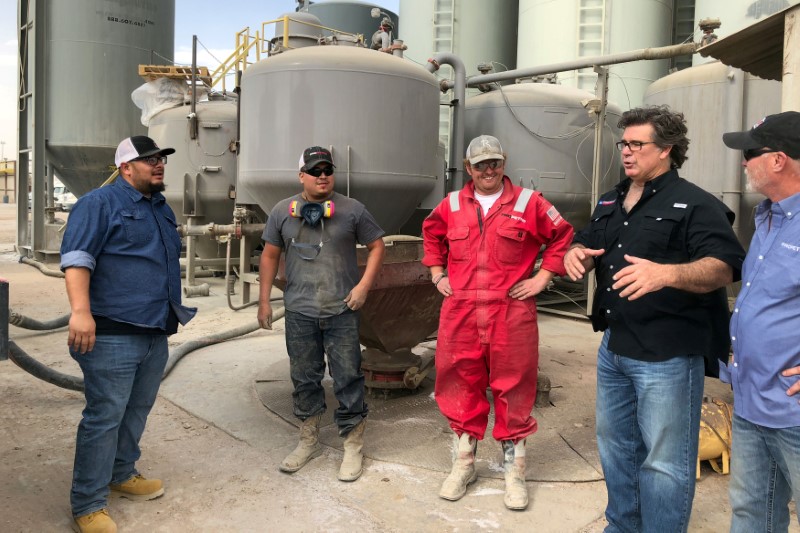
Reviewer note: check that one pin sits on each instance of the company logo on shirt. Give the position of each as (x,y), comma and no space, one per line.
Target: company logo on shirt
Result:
(605,202)
(792,247)
(515,217)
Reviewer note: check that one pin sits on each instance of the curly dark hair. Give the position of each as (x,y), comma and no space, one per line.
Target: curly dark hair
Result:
(669,129)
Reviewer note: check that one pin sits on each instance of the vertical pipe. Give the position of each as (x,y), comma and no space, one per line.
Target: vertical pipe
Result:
(597,163)
(732,169)
(454,169)
(4,316)
(790,92)
(190,241)
(193,119)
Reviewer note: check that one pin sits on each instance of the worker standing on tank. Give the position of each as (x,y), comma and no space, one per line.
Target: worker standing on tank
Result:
(663,250)
(318,230)
(120,259)
(488,236)
(765,326)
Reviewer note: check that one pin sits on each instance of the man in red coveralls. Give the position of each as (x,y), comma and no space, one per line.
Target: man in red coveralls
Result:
(489,235)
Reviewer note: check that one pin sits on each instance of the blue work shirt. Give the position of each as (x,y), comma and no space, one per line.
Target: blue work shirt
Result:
(765,326)
(131,246)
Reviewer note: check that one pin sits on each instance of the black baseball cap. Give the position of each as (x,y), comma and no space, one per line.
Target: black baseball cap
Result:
(313,156)
(136,147)
(780,132)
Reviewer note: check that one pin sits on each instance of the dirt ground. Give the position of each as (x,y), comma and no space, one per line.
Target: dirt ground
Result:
(217,448)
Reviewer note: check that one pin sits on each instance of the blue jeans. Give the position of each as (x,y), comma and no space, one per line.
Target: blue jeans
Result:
(648,421)
(307,341)
(765,475)
(121,376)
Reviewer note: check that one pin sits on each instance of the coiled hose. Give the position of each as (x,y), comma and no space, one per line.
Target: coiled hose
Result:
(22,321)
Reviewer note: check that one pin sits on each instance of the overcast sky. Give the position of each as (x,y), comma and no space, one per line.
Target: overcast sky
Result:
(215,24)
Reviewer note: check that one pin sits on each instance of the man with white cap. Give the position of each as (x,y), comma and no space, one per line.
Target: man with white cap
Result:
(120,259)
(488,236)
(318,230)
(764,370)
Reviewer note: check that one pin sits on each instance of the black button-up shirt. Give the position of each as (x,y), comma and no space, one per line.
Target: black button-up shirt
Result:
(674,222)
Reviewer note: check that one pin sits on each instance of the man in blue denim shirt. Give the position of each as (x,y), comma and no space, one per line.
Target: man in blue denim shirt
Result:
(120,259)
(765,333)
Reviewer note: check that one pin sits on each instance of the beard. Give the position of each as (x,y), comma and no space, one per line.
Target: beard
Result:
(157,187)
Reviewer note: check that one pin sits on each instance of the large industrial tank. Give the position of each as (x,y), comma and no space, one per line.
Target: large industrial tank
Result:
(735,15)
(200,176)
(549,139)
(553,32)
(477,32)
(716,99)
(378,113)
(351,16)
(94,48)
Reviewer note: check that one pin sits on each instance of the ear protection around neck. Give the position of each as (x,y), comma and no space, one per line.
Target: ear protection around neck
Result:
(311,212)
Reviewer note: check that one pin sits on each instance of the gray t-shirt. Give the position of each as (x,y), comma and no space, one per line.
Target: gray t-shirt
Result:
(316,288)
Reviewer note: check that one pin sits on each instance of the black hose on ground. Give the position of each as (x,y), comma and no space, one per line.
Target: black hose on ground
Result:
(38,370)
(22,321)
(46,271)
(33,367)
(189,346)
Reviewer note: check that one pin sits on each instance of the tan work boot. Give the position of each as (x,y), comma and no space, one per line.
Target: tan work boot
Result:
(516,497)
(463,472)
(353,443)
(138,488)
(96,522)
(307,448)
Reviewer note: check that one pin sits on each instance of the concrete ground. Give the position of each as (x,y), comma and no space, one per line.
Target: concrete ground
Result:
(217,447)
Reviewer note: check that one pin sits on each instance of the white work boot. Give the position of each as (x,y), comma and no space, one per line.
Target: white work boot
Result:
(516,497)
(307,448)
(353,443)
(463,472)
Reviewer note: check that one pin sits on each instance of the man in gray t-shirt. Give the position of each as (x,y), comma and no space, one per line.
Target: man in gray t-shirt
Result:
(318,230)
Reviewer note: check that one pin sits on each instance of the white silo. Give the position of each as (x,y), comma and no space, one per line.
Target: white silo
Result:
(551,32)
(477,31)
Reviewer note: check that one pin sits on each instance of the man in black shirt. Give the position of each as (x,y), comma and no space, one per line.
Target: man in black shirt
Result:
(663,251)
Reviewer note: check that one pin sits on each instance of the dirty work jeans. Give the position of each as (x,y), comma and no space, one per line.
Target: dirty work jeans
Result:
(307,341)
(648,421)
(765,475)
(121,376)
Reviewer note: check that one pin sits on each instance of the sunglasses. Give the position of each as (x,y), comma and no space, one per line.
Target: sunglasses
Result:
(317,172)
(492,163)
(750,154)
(152,160)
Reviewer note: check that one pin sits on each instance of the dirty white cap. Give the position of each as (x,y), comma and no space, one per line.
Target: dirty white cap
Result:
(484,147)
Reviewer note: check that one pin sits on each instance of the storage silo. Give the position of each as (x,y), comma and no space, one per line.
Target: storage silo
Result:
(735,15)
(549,138)
(377,112)
(477,32)
(200,176)
(716,99)
(351,16)
(94,48)
(552,32)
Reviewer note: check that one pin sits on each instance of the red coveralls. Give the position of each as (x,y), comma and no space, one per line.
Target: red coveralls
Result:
(485,336)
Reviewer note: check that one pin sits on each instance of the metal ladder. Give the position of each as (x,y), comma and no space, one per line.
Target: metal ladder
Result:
(591,38)
(443,41)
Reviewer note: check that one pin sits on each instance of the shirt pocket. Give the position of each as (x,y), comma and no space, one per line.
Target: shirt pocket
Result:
(597,235)
(660,233)
(138,228)
(510,244)
(458,241)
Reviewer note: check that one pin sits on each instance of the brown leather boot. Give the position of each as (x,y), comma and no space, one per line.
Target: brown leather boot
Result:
(307,448)
(463,472)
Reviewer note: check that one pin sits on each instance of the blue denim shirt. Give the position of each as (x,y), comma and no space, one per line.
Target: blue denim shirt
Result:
(765,326)
(131,247)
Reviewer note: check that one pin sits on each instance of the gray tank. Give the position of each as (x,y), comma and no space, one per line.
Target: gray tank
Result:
(716,99)
(200,176)
(93,53)
(351,16)
(377,113)
(556,156)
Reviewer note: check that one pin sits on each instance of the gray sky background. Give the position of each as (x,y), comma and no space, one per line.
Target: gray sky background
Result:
(214,23)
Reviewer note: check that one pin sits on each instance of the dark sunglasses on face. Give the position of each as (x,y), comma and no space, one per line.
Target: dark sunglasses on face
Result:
(492,163)
(750,154)
(317,172)
(152,160)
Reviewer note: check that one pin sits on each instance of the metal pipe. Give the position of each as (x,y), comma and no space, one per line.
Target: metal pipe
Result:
(193,115)
(455,168)
(215,230)
(732,167)
(661,52)
(228,285)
